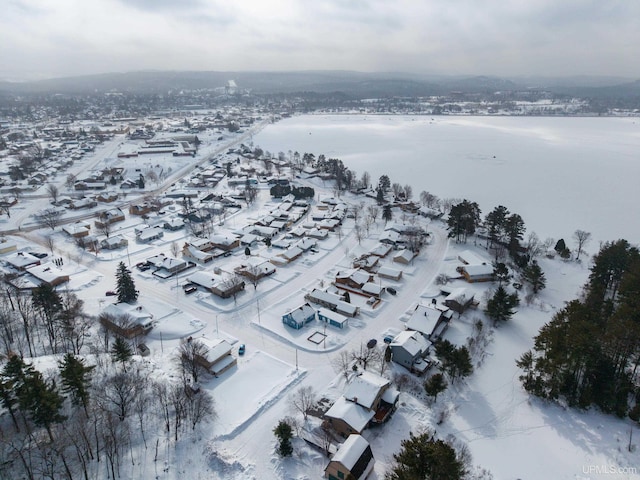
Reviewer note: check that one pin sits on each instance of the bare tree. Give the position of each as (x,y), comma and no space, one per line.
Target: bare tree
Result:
(73,323)
(374,211)
(103,225)
(200,407)
(70,181)
(233,285)
(49,217)
(53,192)
(175,249)
(50,243)
(408,192)
(190,356)
(365,356)
(303,400)
(118,393)
(582,238)
(341,363)
(397,190)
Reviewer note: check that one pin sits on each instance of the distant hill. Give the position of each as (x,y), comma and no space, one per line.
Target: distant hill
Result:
(347,83)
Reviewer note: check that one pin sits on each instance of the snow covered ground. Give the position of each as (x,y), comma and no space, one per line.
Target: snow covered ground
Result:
(507,432)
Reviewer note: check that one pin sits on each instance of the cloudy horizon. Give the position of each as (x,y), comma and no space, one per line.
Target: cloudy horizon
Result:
(510,38)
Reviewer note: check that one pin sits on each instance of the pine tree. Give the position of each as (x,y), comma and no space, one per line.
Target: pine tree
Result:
(121,352)
(126,288)
(500,307)
(284,433)
(42,401)
(425,458)
(535,276)
(435,385)
(387,214)
(76,377)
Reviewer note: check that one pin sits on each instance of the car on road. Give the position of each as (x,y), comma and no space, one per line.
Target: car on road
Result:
(241,349)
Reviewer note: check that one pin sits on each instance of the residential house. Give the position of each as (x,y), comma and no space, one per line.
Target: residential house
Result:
(109,217)
(332,301)
(255,268)
(299,317)
(409,348)
(113,243)
(126,320)
(150,234)
(353,460)
(191,253)
(405,257)
(430,320)
(77,230)
(225,242)
(477,273)
(354,279)
(367,399)
(217,357)
(332,318)
(216,284)
(390,273)
(21,260)
(459,299)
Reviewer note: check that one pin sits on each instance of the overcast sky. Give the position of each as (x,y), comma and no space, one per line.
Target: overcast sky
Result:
(53,38)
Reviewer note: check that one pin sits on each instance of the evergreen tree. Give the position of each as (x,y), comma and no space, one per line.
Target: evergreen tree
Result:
(455,361)
(284,433)
(589,352)
(514,229)
(463,220)
(495,223)
(387,214)
(435,385)
(500,307)
(125,288)
(535,276)
(380,196)
(121,351)
(42,401)
(560,246)
(12,381)
(76,377)
(423,457)
(501,272)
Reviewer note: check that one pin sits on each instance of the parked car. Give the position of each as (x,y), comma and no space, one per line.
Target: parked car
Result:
(391,290)
(110,293)
(372,343)
(190,288)
(241,349)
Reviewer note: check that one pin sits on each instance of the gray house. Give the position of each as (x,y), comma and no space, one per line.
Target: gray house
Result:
(409,349)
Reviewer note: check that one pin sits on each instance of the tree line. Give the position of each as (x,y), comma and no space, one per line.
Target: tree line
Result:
(589,353)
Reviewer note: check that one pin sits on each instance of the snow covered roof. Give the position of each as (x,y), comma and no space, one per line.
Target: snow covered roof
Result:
(412,341)
(424,319)
(216,348)
(350,451)
(354,415)
(365,388)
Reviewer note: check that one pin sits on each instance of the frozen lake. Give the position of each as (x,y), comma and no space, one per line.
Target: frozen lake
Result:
(559,174)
